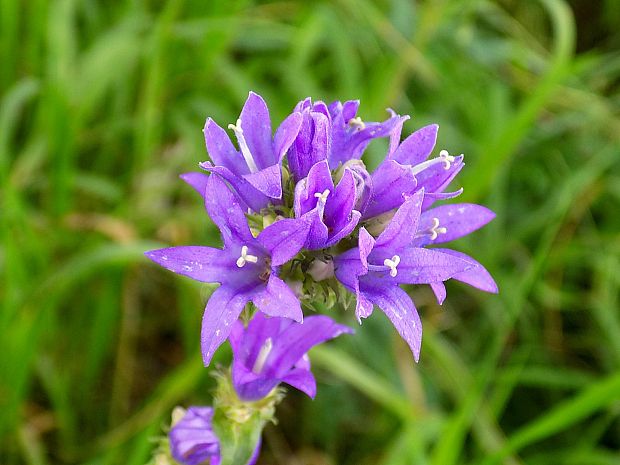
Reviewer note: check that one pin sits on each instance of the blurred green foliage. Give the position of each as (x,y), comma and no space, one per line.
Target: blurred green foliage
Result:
(102,106)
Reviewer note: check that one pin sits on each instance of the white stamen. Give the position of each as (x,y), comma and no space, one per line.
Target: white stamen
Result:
(262,356)
(322,196)
(357,123)
(245,257)
(446,158)
(435,230)
(245,150)
(392,264)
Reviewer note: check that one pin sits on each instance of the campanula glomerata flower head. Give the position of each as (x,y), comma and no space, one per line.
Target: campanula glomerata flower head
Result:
(304,224)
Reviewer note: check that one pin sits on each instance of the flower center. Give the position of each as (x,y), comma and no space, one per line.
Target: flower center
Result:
(245,150)
(261,358)
(444,157)
(357,123)
(392,263)
(246,257)
(433,231)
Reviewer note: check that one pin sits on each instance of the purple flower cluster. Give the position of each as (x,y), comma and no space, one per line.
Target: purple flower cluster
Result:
(301,219)
(303,199)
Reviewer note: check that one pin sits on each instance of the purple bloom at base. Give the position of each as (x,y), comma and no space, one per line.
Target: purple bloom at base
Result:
(407,170)
(375,270)
(247,268)
(254,171)
(193,441)
(328,208)
(271,351)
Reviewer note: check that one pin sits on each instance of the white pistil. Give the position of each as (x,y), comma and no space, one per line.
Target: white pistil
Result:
(435,230)
(261,358)
(322,196)
(245,150)
(392,264)
(357,123)
(245,257)
(444,157)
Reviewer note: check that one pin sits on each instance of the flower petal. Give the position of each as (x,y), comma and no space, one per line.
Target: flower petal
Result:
(436,178)
(204,264)
(476,276)
(222,151)
(317,233)
(267,181)
(424,266)
(340,203)
(284,239)
(286,134)
(198,181)
(318,180)
(311,145)
(250,386)
(401,311)
(222,310)
(417,147)
(192,439)
(439,289)
(226,212)
(347,228)
(459,219)
(251,196)
(302,379)
(298,339)
(391,182)
(256,125)
(277,299)
(396,132)
(401,230)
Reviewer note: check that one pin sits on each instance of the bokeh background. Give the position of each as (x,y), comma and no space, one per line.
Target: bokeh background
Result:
(102,106)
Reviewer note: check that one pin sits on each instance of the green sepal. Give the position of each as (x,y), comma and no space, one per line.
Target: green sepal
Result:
(238,424)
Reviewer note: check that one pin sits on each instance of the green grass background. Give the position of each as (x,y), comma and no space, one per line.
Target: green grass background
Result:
(101,107)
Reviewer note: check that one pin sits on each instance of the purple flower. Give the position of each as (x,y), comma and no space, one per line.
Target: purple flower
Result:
(312,144)
(328,209)
(447,223)
(334,133)
(406,170)
(375,269)
(271,351)
(254,171)
(193,441)
(247,268)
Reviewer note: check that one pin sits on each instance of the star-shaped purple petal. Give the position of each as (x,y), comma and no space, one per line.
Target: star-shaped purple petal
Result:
(376,268)
(254,171)
(247,267)
(327,208)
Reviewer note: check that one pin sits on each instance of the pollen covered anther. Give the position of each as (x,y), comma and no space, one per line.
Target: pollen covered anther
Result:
(243,145)
(392,264)
(245,257)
